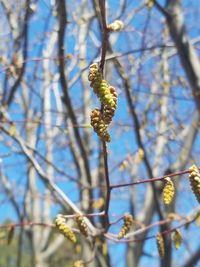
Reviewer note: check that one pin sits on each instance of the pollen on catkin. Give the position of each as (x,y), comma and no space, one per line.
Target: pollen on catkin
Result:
(109,112)
(64,228)
(100,86)
(99,125)
(82,225)
(168,191)
(78,263)
(177,238)
(194,178)
(160,245)
(128,221)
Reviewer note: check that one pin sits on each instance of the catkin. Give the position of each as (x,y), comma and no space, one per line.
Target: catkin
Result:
(82,225)
(100,86)
(128,221)
(194,178)
(78,263)
(177,238)
(168,191)
(99,125)
(94,73)
(160,245)
(64,228)
(109,112)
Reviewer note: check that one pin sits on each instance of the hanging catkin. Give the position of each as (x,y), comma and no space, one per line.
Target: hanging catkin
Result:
(194,178)
(168,191)
(177,238)
(128,221)
(109,112)
(100,86)
(160,245)
(64,228)
(99,125)
(82,225)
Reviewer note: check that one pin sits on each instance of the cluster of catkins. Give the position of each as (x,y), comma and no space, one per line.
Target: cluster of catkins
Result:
(64,229)
(177,240)
(108,97)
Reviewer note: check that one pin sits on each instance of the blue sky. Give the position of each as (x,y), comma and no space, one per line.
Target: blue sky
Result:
(123,139)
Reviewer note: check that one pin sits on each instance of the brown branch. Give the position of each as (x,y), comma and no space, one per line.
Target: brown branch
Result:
(108,188)
(187,54)
(161,9)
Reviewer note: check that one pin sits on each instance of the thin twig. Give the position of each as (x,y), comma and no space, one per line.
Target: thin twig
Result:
(116,240)
(104,33)
(150,180)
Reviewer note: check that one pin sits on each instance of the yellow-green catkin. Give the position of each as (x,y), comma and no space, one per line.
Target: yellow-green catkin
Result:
(100,86)
(99,125)
(64,228)
(194,178)
(168,191)
(78,263)
(82,225)
(128,222)
(160,245)
(177,239)
(116,26)
(109,112)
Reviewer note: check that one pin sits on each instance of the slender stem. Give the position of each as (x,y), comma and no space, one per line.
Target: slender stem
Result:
(108,188)
(104,33)
(85,215)
(114,239)
(105,152)
(149,180)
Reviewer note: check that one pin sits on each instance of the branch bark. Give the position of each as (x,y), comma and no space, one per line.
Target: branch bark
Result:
(66,98)
(186,51)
